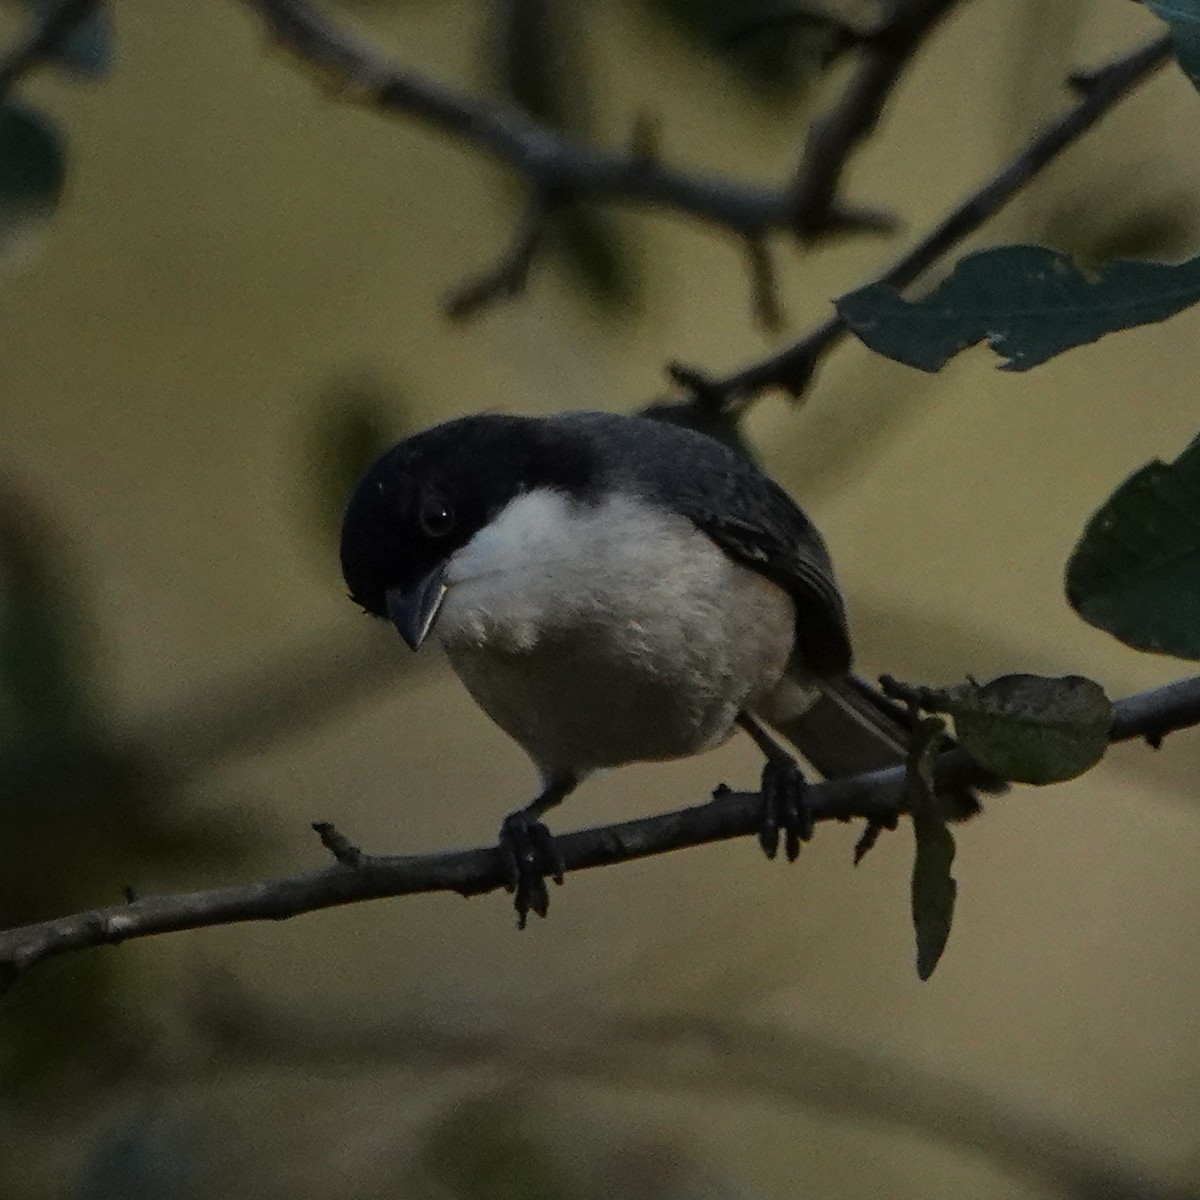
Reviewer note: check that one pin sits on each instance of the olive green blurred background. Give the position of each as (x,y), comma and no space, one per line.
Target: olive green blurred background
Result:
(241,295)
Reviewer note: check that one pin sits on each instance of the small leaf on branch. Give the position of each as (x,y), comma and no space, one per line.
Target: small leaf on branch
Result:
(1028,303)
(1025,728)
(933,887)
(1135,572)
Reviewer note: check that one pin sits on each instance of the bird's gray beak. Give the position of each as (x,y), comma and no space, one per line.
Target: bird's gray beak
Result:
(414,611)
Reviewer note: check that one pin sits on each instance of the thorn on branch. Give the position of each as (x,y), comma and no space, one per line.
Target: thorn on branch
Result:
(870,835)
(834,137)
(340,846)
(509,277)
(131,894)
(1085,82)
(705,392)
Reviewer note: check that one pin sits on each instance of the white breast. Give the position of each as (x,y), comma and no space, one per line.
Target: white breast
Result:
(597,635)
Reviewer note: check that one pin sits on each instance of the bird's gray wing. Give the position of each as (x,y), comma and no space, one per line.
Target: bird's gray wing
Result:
(747,515)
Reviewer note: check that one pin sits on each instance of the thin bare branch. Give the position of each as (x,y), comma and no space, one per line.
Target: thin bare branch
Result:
(510,275)
(832,138)
(551,161)
(792,368)
(878,797)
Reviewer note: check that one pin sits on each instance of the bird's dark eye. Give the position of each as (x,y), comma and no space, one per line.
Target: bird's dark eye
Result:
(436,516)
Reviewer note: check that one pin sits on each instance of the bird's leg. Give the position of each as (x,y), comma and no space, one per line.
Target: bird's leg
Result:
(529,853)
(784,805)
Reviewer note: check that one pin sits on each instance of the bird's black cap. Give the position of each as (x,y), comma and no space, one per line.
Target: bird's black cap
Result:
(430,494)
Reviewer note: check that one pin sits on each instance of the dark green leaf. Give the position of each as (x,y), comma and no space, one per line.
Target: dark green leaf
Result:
(933,887)
(32,169)
(44,656)
(592,248)
(88,50)
(1028,728)
(482,1151)
(150,1155)
(934,890)
(1184,18)
(1027,302)
(1136,570)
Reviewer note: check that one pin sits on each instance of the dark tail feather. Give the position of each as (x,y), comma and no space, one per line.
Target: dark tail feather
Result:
(855,728)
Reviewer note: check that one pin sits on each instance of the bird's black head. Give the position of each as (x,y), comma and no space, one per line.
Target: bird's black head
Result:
(430,494)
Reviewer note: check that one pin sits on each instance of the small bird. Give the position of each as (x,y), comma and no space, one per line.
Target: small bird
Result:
(611,590)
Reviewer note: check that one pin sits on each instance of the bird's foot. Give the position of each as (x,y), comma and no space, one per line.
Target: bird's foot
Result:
(530,857)
(784,796)
(784,807)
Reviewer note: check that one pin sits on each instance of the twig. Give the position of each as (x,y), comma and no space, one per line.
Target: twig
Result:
(768,309)
(510,275)
(792,368)
(877,797)
(338,844)
(44,37)
(553,163)
(550,160)
(832,138)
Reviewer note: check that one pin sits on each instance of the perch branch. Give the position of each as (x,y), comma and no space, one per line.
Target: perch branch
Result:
(878,797)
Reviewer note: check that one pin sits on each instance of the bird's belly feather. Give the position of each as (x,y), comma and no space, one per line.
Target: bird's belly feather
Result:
(611,649)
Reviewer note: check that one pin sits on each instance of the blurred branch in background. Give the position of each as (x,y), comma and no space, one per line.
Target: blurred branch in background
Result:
(885,51)
(878,797)
(708,1056)
(560,169)
(792,368)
